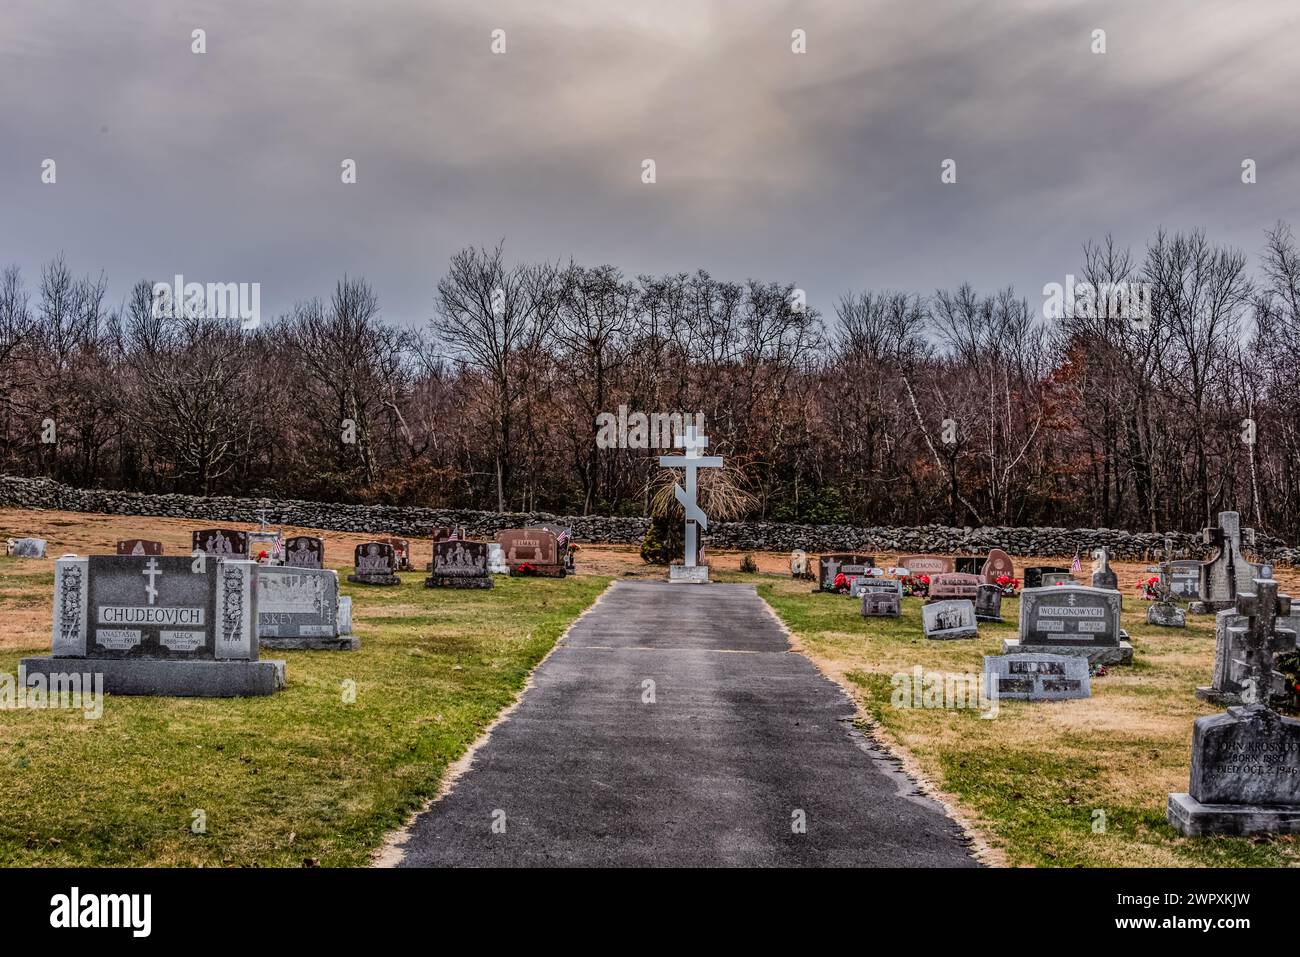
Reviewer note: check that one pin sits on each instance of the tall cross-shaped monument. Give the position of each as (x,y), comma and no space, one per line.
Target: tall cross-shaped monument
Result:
(1263,637)
(693,443)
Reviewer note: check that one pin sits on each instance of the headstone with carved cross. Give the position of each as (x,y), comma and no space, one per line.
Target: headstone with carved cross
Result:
(1246,762)
(692,443)
(1222,574)
(154,625)
(1072,619)
(1231,667)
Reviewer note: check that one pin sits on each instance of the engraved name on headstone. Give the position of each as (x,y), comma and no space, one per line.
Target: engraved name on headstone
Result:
(160,626)
(1037,677)
(954,585)
(1072,619)
(297,607)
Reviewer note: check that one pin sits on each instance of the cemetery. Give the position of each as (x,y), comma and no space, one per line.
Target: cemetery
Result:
(1102,707)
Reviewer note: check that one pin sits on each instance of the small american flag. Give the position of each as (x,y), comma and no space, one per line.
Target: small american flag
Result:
(1076,565)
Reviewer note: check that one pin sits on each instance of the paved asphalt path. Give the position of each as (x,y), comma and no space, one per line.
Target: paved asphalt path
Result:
(742,734)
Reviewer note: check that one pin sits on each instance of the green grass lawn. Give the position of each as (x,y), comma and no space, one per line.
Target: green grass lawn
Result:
(299,777)
(1034,778)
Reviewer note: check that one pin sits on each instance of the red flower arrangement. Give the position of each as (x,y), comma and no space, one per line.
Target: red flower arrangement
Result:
(841,584)
(527,568)
(916,585)
(1148,587)
(1010,586)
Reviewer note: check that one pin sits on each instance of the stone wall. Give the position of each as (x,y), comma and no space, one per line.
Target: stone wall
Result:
(416,522)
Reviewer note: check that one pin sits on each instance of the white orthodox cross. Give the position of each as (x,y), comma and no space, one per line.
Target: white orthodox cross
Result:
(692,443)
(153,571)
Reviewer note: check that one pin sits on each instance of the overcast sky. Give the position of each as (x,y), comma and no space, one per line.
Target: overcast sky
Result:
(820,169)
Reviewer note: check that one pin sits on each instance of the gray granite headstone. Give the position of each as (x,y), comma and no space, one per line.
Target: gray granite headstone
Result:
(881,604)
(1245,775)
(1072,620)
(1185,579)
(1051,579)
(1166,615)
(1103,576)
(160,626)
(265,548)
(1037,677)
(886,586)
(1222,574)
(29,548)
(298,608)
(949,619)
(954,585)
(1225,686)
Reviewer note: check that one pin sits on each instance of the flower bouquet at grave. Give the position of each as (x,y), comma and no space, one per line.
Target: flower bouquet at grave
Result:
(918,585)
(527,568)
(841,584)
(1010,586)
(1150,588)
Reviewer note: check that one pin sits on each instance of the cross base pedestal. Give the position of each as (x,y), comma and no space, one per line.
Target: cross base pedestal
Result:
(694,575)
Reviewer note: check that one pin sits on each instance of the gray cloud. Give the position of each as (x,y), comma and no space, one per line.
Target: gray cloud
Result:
(820,169)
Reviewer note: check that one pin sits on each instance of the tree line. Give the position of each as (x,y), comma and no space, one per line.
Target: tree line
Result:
(958,407)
